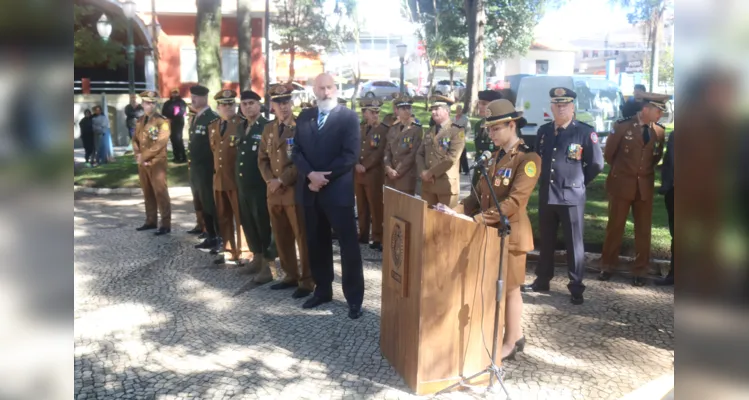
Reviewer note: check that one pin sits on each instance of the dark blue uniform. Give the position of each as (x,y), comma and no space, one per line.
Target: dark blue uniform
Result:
(570,159)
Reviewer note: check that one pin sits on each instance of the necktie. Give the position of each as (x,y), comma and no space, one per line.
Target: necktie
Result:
(501,154)
(646,134)
(369,128)
(321,120)
(146,120)
(558,131)
(223,127)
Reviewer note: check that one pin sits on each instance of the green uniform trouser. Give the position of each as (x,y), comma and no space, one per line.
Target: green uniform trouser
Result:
(201,184)
(253,213)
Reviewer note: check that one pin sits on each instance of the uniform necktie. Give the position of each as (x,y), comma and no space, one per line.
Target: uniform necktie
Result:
(438,129)
(369,128)
(646,134)
(501,154)
(146,120)
(223,127)
(558,131)
(321,120)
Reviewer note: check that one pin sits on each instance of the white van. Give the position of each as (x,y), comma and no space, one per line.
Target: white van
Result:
(598,102)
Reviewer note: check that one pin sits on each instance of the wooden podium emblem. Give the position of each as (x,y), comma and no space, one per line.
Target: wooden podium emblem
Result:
(399,254)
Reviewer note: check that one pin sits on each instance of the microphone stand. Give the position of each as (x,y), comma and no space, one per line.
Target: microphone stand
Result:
(493,370)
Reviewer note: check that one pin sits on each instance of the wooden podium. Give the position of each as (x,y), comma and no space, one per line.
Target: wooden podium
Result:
(432,290)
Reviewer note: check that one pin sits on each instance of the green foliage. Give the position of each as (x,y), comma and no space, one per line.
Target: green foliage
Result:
(510,24)
(208,44)
(665,67)
(89,49)
(300,26)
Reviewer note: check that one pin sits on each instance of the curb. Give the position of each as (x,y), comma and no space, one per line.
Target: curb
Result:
(592,262)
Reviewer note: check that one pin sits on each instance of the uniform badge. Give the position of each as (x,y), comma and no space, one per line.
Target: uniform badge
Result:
(575,152)
(628,137)
(506,181)
(289,145)
(594,137)
(165,126)
(232,139)
(559,92)
(507,175)
(461,135)
(491,162)
(254,147)
(497,182)
(530,169)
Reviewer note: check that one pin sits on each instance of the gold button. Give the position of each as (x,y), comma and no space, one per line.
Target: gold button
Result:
(219,158)
(555,149)
(243,152)
(276,169)
(240,174)
(241,163)
(551,181)
(552,160)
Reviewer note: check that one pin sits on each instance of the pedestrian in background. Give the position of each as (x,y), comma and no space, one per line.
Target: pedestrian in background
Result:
(87,135)
(175,109)
(133,111)
(667,189)
(102,137)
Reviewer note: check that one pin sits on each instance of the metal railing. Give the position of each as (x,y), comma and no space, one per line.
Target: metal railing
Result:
(108,87)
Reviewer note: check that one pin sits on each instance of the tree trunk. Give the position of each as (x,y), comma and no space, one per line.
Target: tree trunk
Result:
(244,38)
(292,56)
(208,45)
(451,71)
(476,21)
(654,56)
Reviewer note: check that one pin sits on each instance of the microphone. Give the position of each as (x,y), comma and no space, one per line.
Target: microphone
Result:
(485,156)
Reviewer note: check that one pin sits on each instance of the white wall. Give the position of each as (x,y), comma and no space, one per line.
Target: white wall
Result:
(560,63)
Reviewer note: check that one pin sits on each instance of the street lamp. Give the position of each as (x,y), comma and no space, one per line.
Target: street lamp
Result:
(402,54)
(104,27)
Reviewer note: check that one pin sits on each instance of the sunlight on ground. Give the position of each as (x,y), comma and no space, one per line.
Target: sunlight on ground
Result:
(213,299)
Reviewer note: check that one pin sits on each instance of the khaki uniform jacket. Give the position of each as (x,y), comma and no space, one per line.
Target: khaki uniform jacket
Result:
(632,161)
(224,153)
(403,140)
(274,160)
(373,142)
(439,153)
(151,137)
(513,177)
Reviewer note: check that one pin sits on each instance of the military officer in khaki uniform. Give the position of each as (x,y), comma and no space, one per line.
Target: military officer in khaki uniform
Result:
(633,150)
(513,172)
(149,146)
(223,139)
(369,174)
(439,154)
(403,140)
(280,174)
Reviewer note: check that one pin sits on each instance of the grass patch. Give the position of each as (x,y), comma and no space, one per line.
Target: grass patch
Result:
(123,173)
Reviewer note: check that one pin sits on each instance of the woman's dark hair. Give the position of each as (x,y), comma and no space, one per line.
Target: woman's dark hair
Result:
(87,112)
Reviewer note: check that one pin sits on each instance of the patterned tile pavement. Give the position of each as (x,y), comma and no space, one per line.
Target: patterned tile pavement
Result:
(154,320)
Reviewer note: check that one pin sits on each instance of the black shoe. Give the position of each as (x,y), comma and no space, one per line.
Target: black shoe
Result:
(605,276)
(354,312)
(362,241)
(520,344)
(510,356)
(300,293)
(283,285)
(315,301)
(376,246)
(217,247)
(162,231)
(667,281)
(638,281)
(195,231)
(206,245)
(203,235)
(535,287)
(333,236)
(146,227)
(577,299)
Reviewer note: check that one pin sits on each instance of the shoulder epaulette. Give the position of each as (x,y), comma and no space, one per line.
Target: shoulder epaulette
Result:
(157,115)
(416,124)
(525,148)
(550,124)
(458,126)
(384,124)
(619,121)
(658,123)
(585,124)
(241,116)
(214,119)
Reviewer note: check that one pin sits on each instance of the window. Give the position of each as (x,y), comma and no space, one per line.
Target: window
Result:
(188,65)
(595,53)
(229,65)
(586,54)
(542,67)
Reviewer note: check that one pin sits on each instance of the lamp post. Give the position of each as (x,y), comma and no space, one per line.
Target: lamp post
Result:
(402,54)
(104,27)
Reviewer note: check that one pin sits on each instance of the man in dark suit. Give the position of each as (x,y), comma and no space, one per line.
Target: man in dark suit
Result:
(325,152)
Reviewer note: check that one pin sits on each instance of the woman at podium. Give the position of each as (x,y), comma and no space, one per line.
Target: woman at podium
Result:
(513,173)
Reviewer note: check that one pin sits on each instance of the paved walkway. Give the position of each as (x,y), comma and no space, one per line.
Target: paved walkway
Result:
(153,320)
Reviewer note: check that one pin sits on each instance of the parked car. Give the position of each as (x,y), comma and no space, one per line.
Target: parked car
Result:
(443,88)
(382,89)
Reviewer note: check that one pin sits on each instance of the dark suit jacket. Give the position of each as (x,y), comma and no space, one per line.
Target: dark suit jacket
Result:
(667,173)
(334,148)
